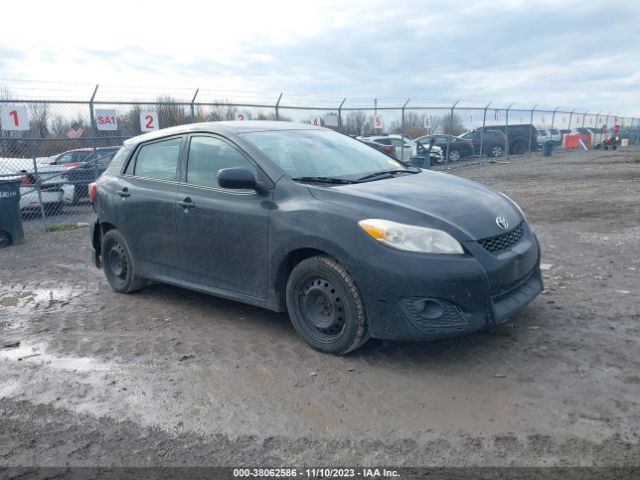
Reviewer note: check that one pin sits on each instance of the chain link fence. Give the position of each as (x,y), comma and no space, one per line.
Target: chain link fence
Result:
(56,148)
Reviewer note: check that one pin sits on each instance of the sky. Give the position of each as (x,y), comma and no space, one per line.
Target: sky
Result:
(572,54)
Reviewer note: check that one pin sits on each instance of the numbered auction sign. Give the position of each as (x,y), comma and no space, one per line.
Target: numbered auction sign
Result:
(315,120)
(15,117)
(427,122)
(242,116)
(149,121)
(106,120)
(331,120)
(378,122)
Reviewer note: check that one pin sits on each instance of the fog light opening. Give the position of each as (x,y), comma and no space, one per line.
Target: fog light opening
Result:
(430,309)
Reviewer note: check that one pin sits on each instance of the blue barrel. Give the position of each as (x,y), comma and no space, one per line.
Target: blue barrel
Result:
(547,148)
(11,232)
(418,161)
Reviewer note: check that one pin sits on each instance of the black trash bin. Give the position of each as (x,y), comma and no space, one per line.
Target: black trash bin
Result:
(420,161)
(547,148)
(11,232)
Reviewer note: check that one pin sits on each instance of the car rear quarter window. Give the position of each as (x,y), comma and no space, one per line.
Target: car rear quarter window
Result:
(209,155)
(115,166)
(158,160)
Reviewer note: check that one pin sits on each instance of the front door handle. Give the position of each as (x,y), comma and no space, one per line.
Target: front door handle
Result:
(124,192)
(186,203)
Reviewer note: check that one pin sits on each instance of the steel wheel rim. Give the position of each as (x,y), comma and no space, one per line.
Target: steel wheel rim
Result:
(118,262)
(320,308)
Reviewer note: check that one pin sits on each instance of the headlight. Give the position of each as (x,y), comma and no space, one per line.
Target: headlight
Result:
(410,237)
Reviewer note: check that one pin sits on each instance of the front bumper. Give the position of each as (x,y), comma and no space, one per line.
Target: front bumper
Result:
(411,296)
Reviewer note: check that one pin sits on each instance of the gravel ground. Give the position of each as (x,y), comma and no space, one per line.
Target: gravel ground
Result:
(171,377)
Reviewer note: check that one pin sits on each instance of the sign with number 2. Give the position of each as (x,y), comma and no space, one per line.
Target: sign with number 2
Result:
(15,117)
(149,121)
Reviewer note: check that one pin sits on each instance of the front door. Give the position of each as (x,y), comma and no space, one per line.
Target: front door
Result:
(222,233)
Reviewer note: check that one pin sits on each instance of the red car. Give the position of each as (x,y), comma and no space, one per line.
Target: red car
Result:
(71,158)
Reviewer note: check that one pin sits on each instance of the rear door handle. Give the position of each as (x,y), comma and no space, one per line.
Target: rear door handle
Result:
(186,203)
(124,192)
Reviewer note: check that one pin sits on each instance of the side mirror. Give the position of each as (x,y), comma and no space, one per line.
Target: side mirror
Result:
(237,178)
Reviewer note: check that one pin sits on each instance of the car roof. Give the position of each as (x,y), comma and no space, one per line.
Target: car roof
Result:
(225,127)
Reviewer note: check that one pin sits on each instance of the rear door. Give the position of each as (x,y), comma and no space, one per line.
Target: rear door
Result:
(146,213)
(222,233)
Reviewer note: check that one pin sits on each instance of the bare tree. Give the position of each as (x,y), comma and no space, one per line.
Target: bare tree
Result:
(170,113)
(357,122)
(39,119)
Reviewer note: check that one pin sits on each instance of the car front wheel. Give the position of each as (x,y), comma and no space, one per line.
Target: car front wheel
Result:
(454,156)
(118,264)
(325,306)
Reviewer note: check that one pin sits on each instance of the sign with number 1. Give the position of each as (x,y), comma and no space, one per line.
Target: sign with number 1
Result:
(15,117)
(149,121)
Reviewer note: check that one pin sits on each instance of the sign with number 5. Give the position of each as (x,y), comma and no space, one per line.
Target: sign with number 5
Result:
(15,117)
(378,122)
(149,121)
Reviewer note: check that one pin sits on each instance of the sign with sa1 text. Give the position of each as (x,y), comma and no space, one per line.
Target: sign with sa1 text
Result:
(242,116)
(106,120)
(148,121)
(378,122)
(331,120)
(15,117)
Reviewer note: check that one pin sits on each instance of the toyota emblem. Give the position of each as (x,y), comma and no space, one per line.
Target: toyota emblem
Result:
(502,223)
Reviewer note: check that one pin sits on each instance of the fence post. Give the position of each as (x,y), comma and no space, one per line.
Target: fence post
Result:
(606,124)
(531,129)
(553,120)
(340,127)
(93,118)
(402,131)
(506,129)
(193,107)
(35,173)
(446,158)
(570,118)
(484,122)
(584,117)
(277,107)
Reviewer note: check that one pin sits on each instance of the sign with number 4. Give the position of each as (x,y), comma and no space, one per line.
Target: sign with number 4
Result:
(15,117)
(148,121)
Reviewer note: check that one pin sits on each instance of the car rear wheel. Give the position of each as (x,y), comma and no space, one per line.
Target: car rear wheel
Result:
(496,151)
(118,264)
(454,156)
(325,306)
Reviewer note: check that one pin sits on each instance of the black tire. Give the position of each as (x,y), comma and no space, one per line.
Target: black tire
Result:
(118,264)
(518,147)
(454,155)
(496,151)
(325,306)
(5,239)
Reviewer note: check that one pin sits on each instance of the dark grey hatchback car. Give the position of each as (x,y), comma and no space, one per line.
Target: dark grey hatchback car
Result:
(352,243)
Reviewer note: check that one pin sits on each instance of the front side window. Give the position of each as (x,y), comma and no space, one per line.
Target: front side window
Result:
(209,155)
(158,160)
(66,158)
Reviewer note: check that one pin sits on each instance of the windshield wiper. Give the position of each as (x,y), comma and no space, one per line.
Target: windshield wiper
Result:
(338,181)
(382,173)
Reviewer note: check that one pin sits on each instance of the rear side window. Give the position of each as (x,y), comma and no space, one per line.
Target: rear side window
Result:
(115,167)
(209,155)
(158,160)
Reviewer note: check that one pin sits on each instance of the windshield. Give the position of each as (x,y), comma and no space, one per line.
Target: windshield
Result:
(320,153)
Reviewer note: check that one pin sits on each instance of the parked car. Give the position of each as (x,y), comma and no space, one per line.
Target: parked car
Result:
(549,134)
(71,158)
(458,147)
(55,189)
(93,166)
(493,142)
(399,142)
(386,149)
(519,137)
(298,218)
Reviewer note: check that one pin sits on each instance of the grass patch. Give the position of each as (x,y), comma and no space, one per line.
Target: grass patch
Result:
(63,227)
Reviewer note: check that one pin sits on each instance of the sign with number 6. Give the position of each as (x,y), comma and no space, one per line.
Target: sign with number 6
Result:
(149,121)
(378,122)
(15,117)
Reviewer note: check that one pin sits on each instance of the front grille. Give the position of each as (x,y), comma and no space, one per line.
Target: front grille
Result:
(503,241)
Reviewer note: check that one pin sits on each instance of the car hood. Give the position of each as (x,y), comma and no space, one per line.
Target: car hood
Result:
(446,200)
